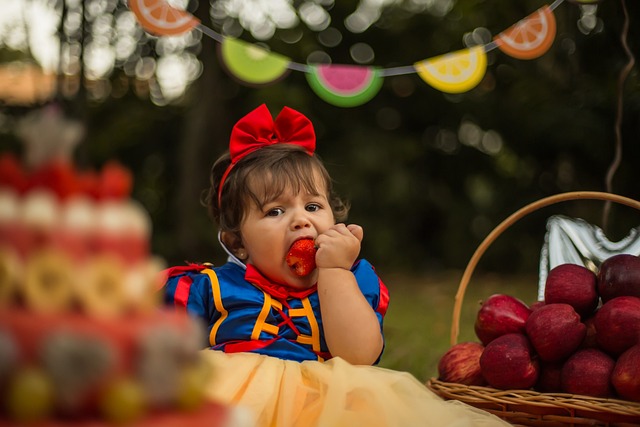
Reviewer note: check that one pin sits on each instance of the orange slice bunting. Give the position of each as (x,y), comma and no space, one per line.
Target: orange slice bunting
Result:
(454,72)
(531,37)
(160,18)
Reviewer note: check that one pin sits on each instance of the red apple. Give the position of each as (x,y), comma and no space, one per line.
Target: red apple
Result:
(555,331)
(572,284)
(536,305)
(588,372)
(500,314)
(508,362)
(590,339)
(461,364)
(549,380)
(619,275)
(626,374)
(617,324)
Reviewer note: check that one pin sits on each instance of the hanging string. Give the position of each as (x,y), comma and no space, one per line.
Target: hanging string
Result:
(624,73)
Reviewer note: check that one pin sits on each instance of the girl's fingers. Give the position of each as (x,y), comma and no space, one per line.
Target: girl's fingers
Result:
(356,230)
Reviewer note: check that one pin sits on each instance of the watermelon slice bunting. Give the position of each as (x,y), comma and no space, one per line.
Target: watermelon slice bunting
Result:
(344,85)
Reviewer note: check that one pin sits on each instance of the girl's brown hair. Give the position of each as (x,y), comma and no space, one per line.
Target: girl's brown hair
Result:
(263,175)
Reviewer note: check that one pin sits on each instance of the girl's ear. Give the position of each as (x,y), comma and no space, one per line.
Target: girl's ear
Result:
(233,242)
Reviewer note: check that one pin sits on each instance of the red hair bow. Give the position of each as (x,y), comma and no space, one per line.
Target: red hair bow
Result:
(258,129)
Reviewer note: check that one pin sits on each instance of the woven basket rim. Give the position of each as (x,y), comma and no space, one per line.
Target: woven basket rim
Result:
(479,394)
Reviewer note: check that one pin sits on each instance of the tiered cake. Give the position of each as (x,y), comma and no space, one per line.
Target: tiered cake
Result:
(82,340)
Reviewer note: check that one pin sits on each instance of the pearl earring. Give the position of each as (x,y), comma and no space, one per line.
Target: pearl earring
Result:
(240,253)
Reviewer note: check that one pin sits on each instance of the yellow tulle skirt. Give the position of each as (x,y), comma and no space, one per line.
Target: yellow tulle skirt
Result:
(283,393)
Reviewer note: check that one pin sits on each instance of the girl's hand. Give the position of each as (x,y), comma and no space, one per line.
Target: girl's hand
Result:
(351,327)
(339,246)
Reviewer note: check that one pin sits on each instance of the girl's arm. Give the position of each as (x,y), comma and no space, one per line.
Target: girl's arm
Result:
(350,324)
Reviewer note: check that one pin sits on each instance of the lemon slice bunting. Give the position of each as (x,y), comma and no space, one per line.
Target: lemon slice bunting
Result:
(454,72)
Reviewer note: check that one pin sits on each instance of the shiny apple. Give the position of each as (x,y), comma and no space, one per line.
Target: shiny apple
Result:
(572,284)
(461,364)
(508,362)
(617,324)
(588,372)
(626,374)
(500,314)
(555,331)
(618,276)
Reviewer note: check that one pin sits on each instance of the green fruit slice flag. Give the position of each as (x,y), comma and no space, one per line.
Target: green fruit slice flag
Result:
(344,85)
(252,64)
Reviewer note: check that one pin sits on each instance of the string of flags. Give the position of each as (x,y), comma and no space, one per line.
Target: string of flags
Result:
(346,85)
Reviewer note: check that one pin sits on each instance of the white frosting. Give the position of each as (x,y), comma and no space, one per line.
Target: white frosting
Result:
(79,214)
(9,206)
(40,209)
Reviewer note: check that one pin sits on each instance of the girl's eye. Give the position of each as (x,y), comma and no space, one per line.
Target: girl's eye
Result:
(313,207)
(275,212)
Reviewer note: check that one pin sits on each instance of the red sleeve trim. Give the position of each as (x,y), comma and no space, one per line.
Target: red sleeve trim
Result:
(383,304)
(181,295)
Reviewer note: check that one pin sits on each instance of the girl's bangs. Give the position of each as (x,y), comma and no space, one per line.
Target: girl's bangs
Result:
(287,176)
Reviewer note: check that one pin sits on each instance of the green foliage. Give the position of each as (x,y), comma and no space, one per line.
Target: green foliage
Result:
(420,316)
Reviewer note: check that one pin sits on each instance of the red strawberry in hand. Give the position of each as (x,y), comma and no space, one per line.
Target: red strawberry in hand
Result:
(302,257)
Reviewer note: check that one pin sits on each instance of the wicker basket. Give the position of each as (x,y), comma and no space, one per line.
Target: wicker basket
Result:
(528,407)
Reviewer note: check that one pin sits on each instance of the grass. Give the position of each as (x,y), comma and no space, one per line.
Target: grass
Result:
(418,322)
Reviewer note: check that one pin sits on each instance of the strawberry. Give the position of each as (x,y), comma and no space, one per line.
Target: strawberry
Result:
(12,174)
(116,181)
(302,257)
(59,176)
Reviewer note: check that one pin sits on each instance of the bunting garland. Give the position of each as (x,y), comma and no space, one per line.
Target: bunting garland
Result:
(352,85)
(252,64)
(344,85)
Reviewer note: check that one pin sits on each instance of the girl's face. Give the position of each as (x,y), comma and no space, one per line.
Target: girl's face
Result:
(268,232)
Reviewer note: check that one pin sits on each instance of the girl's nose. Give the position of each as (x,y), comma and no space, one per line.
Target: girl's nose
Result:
(300,220)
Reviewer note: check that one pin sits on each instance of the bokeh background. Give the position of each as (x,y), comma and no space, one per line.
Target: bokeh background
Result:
(428,174)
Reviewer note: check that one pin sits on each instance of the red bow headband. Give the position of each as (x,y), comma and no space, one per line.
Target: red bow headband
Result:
(258,129)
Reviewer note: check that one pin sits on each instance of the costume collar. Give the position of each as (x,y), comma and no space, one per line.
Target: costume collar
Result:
(231,258)
(276,290)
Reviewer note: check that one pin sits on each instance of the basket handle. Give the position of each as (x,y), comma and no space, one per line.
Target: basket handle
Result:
(576,195)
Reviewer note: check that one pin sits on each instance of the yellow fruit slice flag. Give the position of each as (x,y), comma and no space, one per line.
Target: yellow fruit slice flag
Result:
(531,37)
(454,72)
(160,18)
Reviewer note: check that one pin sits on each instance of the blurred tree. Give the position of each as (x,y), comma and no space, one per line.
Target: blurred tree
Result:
(429,174)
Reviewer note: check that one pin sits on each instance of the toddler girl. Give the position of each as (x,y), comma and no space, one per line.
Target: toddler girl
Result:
(296,345)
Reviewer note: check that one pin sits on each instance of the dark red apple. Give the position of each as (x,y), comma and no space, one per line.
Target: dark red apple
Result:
(500,314)
(555,331)
(461,364)
(626,374)
(619,275)
(508,362)
(588,372)
(536,305)
(549,380)
(572,284)
(617,324)
(590,340)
